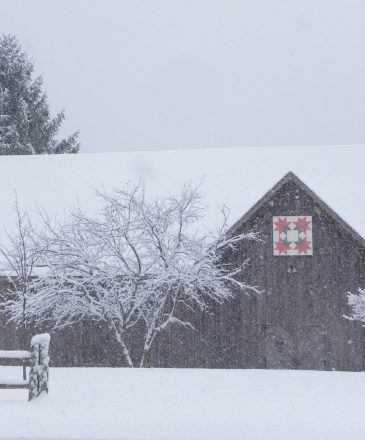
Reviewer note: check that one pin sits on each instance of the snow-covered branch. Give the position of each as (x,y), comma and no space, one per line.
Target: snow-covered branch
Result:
(137,261)
(21,256)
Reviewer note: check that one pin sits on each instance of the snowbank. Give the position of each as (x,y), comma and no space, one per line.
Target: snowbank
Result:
(168,404)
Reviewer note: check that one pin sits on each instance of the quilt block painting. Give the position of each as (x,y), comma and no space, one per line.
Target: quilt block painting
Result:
(292,235)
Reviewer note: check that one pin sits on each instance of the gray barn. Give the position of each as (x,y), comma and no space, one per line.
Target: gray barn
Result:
(308,260)
(298,321)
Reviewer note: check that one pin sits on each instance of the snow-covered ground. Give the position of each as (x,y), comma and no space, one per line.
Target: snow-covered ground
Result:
(156,404)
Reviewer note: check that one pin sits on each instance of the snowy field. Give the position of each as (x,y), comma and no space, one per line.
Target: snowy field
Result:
(156,404)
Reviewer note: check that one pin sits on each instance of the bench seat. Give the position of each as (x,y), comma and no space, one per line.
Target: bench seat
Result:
(14,384)
(15,358)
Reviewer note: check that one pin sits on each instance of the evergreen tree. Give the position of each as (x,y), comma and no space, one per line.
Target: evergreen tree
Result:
(26,125)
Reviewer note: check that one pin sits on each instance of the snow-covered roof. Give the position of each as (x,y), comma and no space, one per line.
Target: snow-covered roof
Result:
(237,177)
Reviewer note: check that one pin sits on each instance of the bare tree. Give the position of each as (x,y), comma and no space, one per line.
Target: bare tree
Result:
(20,257)
(138,263)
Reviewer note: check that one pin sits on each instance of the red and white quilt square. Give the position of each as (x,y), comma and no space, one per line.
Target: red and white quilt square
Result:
(292,235)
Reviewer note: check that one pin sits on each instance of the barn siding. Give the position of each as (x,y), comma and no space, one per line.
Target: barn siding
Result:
(312,297)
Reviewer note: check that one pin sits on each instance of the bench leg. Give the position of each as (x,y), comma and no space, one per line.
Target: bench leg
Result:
(24,372)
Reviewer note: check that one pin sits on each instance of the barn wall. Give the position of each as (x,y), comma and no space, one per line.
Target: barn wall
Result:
(299,320)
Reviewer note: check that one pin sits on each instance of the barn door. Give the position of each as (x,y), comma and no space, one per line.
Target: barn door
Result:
(311,348)
(280,348)
(302,349)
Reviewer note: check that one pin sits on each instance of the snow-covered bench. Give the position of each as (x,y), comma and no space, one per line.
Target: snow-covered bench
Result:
(38,361)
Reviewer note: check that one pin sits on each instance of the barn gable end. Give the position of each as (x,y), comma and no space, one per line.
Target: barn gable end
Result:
(298,322)
(290,177)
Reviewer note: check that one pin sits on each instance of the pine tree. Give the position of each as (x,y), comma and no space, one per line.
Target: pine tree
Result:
(26,125)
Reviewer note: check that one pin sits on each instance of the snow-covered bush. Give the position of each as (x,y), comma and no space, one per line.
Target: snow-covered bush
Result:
(357,303)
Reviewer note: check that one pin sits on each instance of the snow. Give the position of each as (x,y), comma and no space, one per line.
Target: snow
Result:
(237,177)
(178,404)
(41,339)
(14,354)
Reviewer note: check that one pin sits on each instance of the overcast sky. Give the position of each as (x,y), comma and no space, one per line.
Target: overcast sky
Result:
(167,74)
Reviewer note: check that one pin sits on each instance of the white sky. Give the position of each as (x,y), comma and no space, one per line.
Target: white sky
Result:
(172,73)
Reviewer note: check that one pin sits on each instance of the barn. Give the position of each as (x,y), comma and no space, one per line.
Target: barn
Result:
(308,258)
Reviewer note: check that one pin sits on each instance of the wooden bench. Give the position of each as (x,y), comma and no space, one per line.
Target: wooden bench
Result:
(37,360)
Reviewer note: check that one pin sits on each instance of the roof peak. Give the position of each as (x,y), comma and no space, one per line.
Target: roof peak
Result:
(291,177)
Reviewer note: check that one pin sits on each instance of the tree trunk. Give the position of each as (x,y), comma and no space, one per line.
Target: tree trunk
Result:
(121,342)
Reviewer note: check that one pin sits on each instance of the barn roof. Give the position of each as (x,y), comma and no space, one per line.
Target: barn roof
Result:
(291,177)
(235,176)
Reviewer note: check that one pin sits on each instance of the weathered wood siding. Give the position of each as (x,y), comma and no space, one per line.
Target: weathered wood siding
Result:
(297,322)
